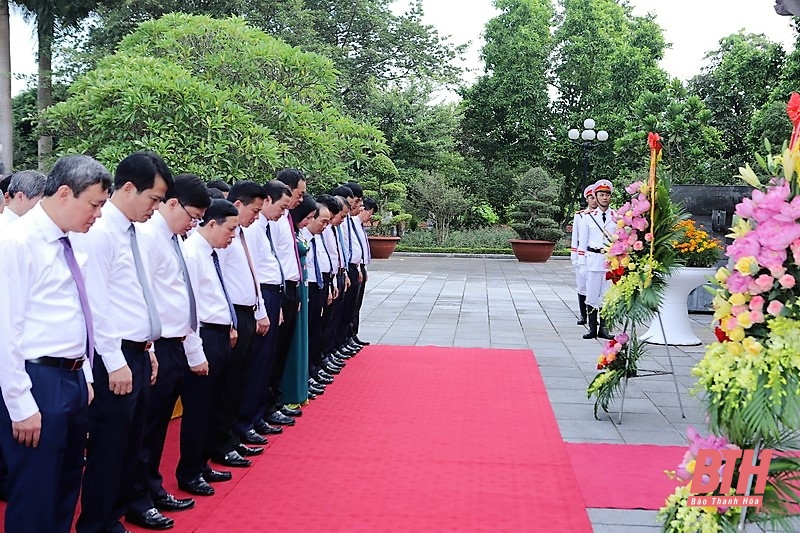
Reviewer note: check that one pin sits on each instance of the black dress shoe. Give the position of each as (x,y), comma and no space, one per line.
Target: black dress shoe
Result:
(233,459)
(150,519)
(346,350)
(215,476)
(197,486)
(359,341)
(324,380)
(279,419)
(288,411)
(354,347)
(171,503)
(313,389)
(262,428)
(341,355)
(311,395)
(251,437)
(248,451)
(336,361)
(331,369)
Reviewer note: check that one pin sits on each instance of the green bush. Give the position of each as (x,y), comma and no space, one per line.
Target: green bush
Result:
(495,237)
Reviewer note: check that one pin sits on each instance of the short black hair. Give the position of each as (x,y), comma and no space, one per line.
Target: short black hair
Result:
(215,194)
(307,205)
(330,202)
(275,190)
(220,185)
(219,210)
(342,190)
(190,190)
(78,172)
(4,183)
(141,169)
(291,177)
(358,192)
(246,192)
(370,204)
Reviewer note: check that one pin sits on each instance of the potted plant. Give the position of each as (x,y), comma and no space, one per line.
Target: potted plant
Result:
(382,183)
(532,216)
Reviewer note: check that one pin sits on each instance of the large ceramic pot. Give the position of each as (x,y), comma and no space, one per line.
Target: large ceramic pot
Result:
(532,251)
(674,311)
(381,247)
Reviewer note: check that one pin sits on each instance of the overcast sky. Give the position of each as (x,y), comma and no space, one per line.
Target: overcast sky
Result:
(694,27)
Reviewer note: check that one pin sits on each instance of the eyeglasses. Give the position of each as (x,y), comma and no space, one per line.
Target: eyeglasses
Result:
(195,221)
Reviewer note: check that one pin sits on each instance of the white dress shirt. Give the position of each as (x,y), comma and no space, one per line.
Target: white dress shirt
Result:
(353,240)
(212,307)
(321,257)
(334,247)
(40,314)
(265,263)
(165,275)
(283,237)
(7,217)
(238,276)
(115,294)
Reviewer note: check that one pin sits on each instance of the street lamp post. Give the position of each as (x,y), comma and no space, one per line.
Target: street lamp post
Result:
(587,140)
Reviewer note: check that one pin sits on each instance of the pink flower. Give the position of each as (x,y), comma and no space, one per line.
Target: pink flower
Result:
(763,282)
(745,208)
(737,282)
(744,247)
(634,187)
(774,308)
(638,245)
(639,224)
(648,237)
(771,258)
(795,247)
(641,207)
(776,235)
(737,310)
(731,323)
(622,338)
(777,271)
(787,281)
(789,212)
(757,303)
(756,317)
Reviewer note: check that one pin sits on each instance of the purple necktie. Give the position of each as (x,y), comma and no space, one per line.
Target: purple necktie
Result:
(87,312)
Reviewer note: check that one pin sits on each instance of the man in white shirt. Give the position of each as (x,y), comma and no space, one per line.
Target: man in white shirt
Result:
(161,244)
(250,426)
(225,447)
(126,321)
(578,232)
(368,209)
(24,191)
(332,332)
(45,324)
(210,344)
(318,266)
(285,242)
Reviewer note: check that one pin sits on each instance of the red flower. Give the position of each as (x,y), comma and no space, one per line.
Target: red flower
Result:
(654,140)
(793,108)
(721,335)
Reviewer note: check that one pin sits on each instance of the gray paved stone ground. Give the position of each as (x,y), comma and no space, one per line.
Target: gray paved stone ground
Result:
(501,303)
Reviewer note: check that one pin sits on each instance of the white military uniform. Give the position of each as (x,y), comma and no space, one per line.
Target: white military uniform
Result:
(596,237)
(580,266)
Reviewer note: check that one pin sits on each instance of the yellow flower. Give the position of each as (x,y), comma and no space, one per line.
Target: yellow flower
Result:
(740,228)
(743,319)
(736,334)
(625,261)
(752,346)
(722,274)
(747,265)
(747,174)
(690,466)
(722,307)
(737,298)
(620,223)
(734,348)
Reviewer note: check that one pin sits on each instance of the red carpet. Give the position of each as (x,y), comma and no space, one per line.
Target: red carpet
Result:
(410,439)
(624,476)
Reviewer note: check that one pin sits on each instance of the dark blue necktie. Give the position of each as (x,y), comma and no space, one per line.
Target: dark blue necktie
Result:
(317,271)
(224,290)
(275,254)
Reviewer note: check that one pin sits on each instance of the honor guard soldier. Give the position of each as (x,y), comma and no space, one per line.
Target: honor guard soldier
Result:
(595,238)
(580,266)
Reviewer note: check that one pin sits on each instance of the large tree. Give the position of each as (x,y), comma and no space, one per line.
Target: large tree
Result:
(369,44)
(507,121)
(605,59)
(742,73)
(51,17)
(217,98)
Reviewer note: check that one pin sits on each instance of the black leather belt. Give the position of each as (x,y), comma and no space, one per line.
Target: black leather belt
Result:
(355,266)
(594,250)
(171,340)
(134,345)
(245,308)
(59,362)
(290,284)
(225,328)
(268,287)
(327,277)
